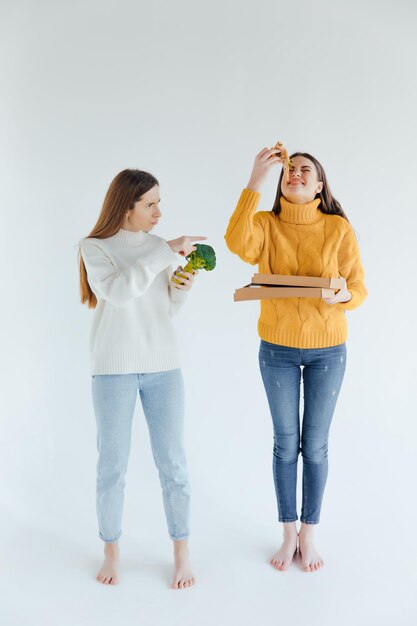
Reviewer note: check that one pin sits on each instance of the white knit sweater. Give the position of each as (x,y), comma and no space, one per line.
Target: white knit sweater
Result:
(132,330)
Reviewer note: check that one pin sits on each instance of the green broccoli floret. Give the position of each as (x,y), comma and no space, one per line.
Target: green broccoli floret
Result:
(203,258)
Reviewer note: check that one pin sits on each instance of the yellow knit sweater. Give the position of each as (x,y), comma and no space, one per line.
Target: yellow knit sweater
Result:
(300,241)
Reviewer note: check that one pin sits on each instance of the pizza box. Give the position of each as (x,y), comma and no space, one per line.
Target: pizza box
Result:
(259,292)
(297,281)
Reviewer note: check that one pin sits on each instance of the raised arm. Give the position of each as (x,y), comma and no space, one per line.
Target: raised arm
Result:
(244,235)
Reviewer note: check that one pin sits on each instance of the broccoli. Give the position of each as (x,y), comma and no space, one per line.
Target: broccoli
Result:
(203,257)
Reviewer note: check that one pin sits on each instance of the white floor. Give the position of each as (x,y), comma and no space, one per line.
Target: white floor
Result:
(48,577)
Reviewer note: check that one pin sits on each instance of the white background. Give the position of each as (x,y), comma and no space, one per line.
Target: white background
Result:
(191,91)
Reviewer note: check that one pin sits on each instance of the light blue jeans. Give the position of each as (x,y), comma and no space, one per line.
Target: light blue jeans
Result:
(162,397)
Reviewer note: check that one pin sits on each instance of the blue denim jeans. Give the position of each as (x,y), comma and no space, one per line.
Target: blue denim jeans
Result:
(162,397)
(322,371)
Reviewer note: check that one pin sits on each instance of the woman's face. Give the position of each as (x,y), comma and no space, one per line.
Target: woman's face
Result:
(300,183)
(145,213)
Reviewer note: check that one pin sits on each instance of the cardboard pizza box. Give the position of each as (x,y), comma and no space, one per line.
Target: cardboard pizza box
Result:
(258,292)
(297,281)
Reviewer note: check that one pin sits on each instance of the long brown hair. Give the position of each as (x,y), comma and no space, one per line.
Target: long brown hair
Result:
(125,189)
(328,203)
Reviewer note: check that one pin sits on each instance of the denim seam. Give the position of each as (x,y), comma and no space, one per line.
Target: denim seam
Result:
(305,493)
(280,509)
(281,518)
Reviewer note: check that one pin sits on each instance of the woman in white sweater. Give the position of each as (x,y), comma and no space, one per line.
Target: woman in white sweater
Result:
(125,274)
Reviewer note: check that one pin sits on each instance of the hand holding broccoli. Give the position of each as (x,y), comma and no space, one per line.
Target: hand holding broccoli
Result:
(202,257)
(186,280)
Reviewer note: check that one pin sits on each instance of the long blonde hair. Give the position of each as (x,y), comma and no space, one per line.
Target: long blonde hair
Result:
(125,189)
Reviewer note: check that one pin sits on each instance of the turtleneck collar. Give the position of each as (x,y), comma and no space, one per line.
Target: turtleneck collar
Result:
(130,238)
(307,213)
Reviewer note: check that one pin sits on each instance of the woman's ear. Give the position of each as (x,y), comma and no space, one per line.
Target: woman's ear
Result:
(319,187)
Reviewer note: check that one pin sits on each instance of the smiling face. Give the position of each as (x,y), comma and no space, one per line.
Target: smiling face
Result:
(300,183)
(145,213)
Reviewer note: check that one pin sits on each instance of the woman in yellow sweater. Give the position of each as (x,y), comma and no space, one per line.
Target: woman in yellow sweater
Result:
(305,234)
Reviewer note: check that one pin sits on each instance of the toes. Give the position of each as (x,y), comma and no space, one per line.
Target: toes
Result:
(278,565)
(183,583)
(313,566)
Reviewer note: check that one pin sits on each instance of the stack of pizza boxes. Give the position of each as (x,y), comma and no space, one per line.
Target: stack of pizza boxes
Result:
(271,286)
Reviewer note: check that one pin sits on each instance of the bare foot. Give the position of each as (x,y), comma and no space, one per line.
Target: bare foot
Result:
(310,558)
(109,571)
(183,576)
(283,558)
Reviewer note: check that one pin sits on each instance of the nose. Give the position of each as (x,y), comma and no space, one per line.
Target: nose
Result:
(157,212)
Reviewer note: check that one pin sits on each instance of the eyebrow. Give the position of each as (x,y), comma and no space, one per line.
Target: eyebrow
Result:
(149,203)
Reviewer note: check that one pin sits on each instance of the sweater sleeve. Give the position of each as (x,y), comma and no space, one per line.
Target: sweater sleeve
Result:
(350,267)
(119,286)
(245,235)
